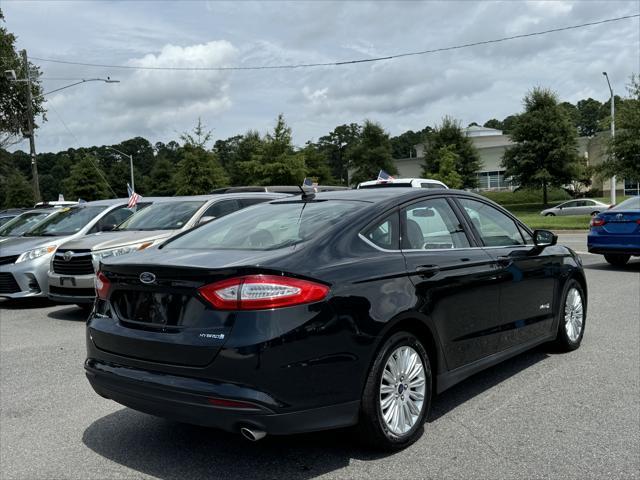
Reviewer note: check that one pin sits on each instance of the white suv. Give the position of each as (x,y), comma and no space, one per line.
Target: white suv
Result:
(404,182)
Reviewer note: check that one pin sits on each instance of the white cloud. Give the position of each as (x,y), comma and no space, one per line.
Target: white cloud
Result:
(472,84)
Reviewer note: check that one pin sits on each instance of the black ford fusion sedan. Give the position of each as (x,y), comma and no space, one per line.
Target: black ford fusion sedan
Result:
(329,310)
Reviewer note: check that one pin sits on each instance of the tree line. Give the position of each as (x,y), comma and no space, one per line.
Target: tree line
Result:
(544,155)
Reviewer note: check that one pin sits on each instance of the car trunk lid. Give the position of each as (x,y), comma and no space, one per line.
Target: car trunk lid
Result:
(621,222)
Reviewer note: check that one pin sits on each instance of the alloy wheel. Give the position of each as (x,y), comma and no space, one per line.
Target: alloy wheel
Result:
(402,390)
(573,314)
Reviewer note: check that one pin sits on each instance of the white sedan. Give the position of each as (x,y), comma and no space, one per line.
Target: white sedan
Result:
(584,206)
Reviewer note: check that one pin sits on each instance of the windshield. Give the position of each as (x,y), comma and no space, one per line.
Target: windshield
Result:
(268,226)
(162,216)
(66,222)
(21,224)
(632,203)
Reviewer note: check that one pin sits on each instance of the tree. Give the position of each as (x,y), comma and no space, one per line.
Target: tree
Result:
(86,181)
(161,179)
(199,172)
(370,154)
(18,191)
(508,123)
(317,164)
(493,123)
(624,149)
(404,144)
(13,95)
(447,168)
(275,162)
(467,160)
(545,151)
(572,112)
(588,116)
(335,146)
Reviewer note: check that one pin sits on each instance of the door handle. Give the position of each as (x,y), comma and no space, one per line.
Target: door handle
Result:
(504,261)
(427,270)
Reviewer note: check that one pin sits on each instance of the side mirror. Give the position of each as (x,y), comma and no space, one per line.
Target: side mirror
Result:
(205,219)
(107,227)
(544,238)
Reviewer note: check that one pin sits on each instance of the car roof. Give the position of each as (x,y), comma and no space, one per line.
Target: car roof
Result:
(382,195)
(214,196)
(402,180)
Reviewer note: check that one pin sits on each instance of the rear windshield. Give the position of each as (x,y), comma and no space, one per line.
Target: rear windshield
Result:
(22,223)
(632,203)
(162,216)
(268,226)
(66,222)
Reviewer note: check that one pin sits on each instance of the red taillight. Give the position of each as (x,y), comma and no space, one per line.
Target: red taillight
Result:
(102,286)
(597,222)
(258,292)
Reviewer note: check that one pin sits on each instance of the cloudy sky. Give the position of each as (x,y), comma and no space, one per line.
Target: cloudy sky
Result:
(472,84)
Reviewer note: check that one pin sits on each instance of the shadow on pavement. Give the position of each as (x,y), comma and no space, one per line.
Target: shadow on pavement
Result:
(25,303)
(72,313)
(170,450)
(632,266)
(480,382)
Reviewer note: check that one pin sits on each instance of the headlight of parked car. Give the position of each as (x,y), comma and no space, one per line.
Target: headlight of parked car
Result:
(116,252)
(35,253)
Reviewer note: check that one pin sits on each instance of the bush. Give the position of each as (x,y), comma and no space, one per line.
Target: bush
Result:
(526,195)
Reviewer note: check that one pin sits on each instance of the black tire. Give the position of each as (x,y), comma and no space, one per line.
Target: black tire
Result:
(563,342)
(372,428)
(594,213)
(549,214)
(617,259)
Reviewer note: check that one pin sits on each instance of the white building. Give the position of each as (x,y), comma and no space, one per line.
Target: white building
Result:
(491,145)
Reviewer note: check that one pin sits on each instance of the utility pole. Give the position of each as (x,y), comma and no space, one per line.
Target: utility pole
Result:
(613,134)
(31,133)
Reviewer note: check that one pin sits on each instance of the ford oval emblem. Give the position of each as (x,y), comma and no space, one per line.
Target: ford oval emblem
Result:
(147,277)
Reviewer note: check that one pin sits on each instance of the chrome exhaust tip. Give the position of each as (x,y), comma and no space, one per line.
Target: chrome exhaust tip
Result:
(252,435)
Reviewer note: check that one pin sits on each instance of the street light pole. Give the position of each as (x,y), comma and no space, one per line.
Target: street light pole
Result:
(133,185)
(613,134)
(32,140)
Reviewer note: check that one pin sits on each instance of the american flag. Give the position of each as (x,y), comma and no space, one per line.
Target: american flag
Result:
(134,198)
(384,176)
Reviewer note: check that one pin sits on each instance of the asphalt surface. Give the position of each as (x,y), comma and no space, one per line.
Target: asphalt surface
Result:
(539,415)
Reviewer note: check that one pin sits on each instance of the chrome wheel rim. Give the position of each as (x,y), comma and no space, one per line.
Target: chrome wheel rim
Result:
(573,314)
(402,390)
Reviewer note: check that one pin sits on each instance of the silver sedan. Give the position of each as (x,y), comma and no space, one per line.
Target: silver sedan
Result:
(584,206)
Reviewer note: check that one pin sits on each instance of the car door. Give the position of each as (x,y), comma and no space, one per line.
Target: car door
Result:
(455,282)
(526,273)
(569,208)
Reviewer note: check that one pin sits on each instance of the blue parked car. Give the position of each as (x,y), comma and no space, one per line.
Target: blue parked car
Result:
(615,233)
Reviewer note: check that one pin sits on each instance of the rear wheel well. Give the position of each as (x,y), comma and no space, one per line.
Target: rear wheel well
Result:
(423,333)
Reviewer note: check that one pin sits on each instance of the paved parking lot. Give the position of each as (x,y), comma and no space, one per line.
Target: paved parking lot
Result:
(539,415)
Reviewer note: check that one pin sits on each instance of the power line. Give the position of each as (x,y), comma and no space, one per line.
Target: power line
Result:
(346,62)
(64,124)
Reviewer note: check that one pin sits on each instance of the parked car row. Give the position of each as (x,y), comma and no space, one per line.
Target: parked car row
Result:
(54,252)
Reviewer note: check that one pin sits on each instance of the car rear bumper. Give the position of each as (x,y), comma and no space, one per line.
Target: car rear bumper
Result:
(601,243)
(187,400)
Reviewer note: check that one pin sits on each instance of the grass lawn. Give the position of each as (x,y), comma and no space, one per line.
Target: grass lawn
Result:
(529,213)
